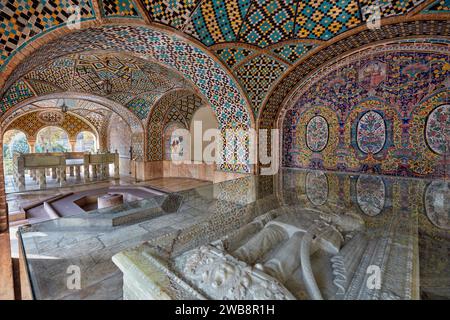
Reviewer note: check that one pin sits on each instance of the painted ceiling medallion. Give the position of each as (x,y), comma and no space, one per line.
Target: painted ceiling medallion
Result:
(317,134)
(51,117)
(371,132)
(437,130)
(370,195)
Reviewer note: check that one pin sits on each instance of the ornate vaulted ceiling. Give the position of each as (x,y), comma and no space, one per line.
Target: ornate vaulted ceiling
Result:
(136,84)
(268,45)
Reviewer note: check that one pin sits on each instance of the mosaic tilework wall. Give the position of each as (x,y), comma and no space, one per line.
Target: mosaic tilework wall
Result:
(174,13)
(440,6)
(257,75)
(18,92)
(119,8)
(323,19)
(381,111)
(184,102)
(218,21)
(268,22)
(256,22)
(295,78)
(389,7)
(24,20)
(231,109)
(31,123)
(232,56)
(209,77)
(293,52)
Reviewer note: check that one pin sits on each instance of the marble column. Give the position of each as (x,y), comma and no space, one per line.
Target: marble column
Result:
(72,144)
(42,178)
(78,172)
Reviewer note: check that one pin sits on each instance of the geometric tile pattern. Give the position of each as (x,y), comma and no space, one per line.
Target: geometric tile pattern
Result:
(23,20)
(438,6)
(132,80)
(258,22)
(324,19)
(184,110)
(31,124)
(119,8)
(174,13)
(388,8)
(157,121)
(232,56)
(192,62)
(16,93)
(141,106)
(231,109)
(174,115)
(218,21)
(257,76)
(268,22)
(293,52)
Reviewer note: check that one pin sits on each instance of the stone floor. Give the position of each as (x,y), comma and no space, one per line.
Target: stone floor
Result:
(17,199)
(97,286)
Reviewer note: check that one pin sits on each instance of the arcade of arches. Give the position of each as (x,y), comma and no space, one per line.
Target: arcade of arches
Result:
(128,88)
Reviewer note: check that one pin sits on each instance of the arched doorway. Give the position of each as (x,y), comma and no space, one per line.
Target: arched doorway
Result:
(14,141)
(86,142)
(52,139)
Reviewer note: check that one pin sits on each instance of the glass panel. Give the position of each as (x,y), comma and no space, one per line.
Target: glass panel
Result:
(265,222)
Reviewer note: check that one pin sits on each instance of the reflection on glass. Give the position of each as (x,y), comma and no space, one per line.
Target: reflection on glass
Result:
(437,204)
(317,187)
(370,194)
(257,239)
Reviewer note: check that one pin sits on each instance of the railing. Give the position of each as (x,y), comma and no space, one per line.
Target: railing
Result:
(40,165)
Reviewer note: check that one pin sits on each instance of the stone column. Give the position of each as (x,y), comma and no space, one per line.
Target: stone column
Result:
(21,174)
(63,170)
(42,178)
(32,144)
(116,165)
(78,172)
(72,144)
(86,167)
(94,171)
